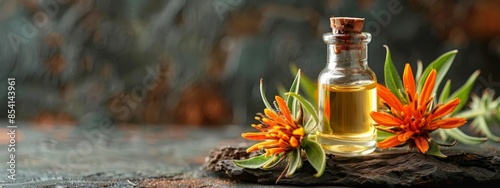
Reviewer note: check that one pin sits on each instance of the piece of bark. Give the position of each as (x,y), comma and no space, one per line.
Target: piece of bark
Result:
(394,168)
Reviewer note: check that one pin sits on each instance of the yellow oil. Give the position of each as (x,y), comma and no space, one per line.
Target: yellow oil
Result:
(346,126)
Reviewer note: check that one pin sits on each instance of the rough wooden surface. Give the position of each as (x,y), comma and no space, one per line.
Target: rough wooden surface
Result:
(166,156)
(394,168)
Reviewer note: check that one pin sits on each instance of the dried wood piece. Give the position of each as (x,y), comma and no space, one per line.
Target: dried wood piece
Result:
(395,168)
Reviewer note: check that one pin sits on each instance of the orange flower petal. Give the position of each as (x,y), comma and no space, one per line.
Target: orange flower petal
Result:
(273,151)
(283,143)
(298,132)
(385,119)
(386,95)
(422,144)
(269,122)
(285,137)
(256,146)
(259,127)
(285,111)
(268,152)
(409,80)
(273,115)
(389,142)
(294,142)
(446,108)
(263,145)
(404,137)
(428,87)
(408,110)
(254,136)
(447,123)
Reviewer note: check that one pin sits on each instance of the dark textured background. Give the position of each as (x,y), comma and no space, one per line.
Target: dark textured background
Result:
(199,62)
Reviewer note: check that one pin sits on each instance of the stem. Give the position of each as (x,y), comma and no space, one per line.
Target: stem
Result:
(282,173)
(444,145)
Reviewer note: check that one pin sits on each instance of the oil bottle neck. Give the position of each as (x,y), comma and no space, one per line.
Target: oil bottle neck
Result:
(347,50)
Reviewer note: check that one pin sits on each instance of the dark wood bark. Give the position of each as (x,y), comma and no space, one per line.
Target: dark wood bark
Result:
(393,168)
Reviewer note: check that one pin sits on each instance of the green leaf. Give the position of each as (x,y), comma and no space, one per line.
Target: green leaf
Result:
(463,92)
(434,150)
(290,101)
(294,162)
(469,114)
(445,93)
(382,135)
(310,125)
(442,65)
(254,162)
(274,161)
(418,74)
(306,84)
(311,136)
(316,156)
(441,133)
(462,137)
(391,76)
(480,123)
(307,105)
(263,95)
(498,113)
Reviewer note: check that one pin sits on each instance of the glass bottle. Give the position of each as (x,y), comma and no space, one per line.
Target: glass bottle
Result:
(347,91)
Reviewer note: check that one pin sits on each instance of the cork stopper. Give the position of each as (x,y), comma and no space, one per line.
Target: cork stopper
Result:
(346,25)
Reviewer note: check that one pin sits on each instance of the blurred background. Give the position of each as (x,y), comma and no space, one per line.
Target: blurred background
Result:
(198,63)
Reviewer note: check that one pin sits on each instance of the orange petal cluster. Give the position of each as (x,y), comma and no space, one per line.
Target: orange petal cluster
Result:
(279,132)
(414,119)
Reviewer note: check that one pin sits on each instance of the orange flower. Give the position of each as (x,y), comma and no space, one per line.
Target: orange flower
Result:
(279,132)
(414,119)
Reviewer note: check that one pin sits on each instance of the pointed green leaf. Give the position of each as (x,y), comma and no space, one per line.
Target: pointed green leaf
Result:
(481,104)
(498,113)
(487,99)
(254,162)
(434,150)
(299,155)
(442,65)
(445,93)
(275,161)
(495,102)
(306,84)
(310,125)
(263,95)
(463,92)
(480,123)
(462,137)
(316,156)
(469,114)
(391,76)
(418,74)
(307,105)
(382,135)
(441,133)
(290,101)
(294,162)
(311,136)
